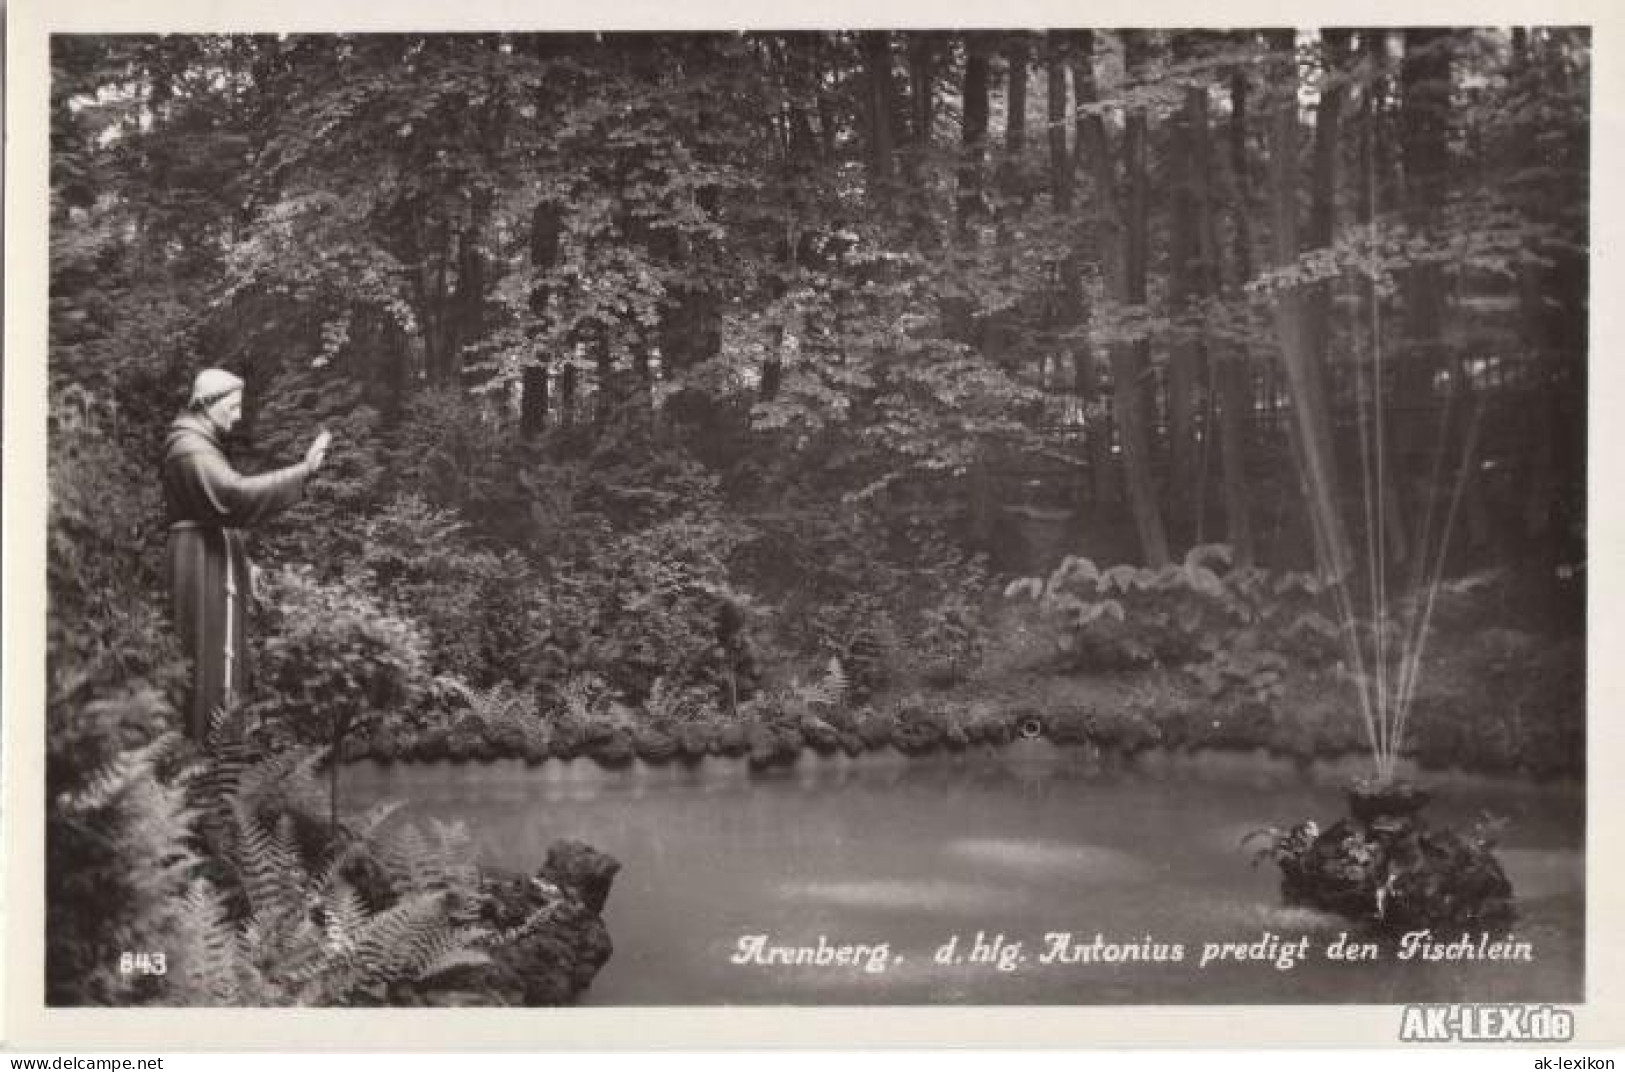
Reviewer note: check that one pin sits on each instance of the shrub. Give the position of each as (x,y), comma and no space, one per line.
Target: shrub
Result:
(860,633)
(476,606)
(509,718)
(1235,629)
(830,575)
(293,917)
(320,529)
(953,639)
(333,664)
(669,705)
(221,883)
(653,604)
(107,620)
(848,584)
(453,449)
(117,866)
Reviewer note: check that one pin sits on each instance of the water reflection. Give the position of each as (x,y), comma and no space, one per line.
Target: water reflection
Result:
(1007,845)
(1032,857)
(896,895)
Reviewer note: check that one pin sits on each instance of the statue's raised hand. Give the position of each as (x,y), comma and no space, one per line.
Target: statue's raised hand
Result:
(317,453)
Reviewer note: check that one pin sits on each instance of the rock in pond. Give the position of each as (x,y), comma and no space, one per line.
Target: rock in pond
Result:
(550,940)
(1387,865)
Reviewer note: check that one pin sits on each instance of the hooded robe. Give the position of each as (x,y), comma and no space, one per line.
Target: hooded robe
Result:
(208,504)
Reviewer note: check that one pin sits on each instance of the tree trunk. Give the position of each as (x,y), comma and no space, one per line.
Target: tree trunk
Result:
(1060,161)
(1141,396)
(394,346)
(1317,300)
(1424,137)
(546,237)
(1541,427)
(1309,411)
(1318,307)
(1014,195)
(435,272)
(828,115)
(922,74)
(1015,125)
(690,330)
(1243,208)
(1117,253)
(922,71)
(1092,156)
(1235,401)
(467,319)
(1070,310)
(970,207)
(1370,202)
(1425,134)
(772,372)
(1184,491)
(1424,119)
(958,308)
(607,383)
(1242,171)
(877,61)
(1334,49)
(569,380)
(801,78)
(969,201)
(1229,363)
(533,401)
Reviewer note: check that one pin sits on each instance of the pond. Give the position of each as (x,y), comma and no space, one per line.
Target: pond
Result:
(1057,878)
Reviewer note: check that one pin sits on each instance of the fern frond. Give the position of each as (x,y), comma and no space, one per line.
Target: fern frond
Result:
(155,823)
(455,848)
(452,947)
(346,917)
(365,827)
(268,865)
(528,926)
(835,683)
(456,688)
(113,779)
(1025,588)
(401,853)
(332,874)
(361,841)
(300,956)
(258,788)
(461,957)
(210,964)
(219,777)
(303,791)
(309,938)
(399,939)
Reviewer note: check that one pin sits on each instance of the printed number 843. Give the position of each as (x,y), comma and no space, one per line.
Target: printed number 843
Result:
(142,964)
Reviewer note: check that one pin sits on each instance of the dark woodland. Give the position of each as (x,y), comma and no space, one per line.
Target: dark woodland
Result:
(746,394)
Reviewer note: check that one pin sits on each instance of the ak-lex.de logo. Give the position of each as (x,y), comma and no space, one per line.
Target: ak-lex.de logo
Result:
(1485,1023)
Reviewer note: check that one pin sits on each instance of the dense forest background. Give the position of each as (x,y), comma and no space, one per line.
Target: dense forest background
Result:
(667,371)
(753,302)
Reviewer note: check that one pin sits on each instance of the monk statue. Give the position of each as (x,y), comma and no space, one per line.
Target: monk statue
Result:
(209,504)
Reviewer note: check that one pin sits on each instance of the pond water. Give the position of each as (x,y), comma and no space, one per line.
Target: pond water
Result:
(1028,845)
